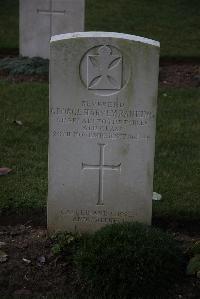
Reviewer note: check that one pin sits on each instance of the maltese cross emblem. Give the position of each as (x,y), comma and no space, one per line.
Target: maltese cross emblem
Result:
(104,71)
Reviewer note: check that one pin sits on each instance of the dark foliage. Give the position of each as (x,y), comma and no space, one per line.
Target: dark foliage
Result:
(24,66)
(64,243)
(129,260)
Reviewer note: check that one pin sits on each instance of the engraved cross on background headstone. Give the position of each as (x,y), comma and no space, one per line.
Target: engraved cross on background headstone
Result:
(50,12)
(101,167)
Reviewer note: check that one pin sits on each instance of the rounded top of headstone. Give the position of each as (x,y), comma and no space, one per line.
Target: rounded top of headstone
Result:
(96,34)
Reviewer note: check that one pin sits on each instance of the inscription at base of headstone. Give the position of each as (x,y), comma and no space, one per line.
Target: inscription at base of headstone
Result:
(40,19)
(103,95)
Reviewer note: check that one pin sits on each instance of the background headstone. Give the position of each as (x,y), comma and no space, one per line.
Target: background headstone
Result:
(40,19)
(103,95)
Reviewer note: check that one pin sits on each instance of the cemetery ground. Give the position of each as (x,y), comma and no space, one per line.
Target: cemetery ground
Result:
(31,267)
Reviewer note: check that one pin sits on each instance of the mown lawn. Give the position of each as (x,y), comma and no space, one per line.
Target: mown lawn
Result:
(9,24)
(177,163)
(24,149)
(175,23)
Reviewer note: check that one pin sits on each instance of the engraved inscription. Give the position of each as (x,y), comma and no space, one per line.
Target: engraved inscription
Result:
(101,167)
(104,70)
(111,119)
(97,135)
(99,216)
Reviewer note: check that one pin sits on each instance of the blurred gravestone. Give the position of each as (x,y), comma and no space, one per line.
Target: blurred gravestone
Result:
(103,94)
(40,19)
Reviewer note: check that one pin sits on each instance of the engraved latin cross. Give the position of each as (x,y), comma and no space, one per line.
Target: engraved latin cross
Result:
(101,167)
(50,12)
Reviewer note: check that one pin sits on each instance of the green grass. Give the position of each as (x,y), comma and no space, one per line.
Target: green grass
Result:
(177,164)
(9,24)
(24,149)
(175,23)
(129,256)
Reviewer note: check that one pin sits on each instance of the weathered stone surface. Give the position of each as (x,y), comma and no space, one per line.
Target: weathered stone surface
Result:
(40,19)
(103,94)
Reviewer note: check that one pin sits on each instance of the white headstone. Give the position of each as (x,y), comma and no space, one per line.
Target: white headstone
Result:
(40,19)
(103,95)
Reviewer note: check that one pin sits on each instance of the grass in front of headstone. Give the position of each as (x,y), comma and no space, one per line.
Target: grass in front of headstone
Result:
(129,260)
(24,143)
(174,23)
(177,163)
